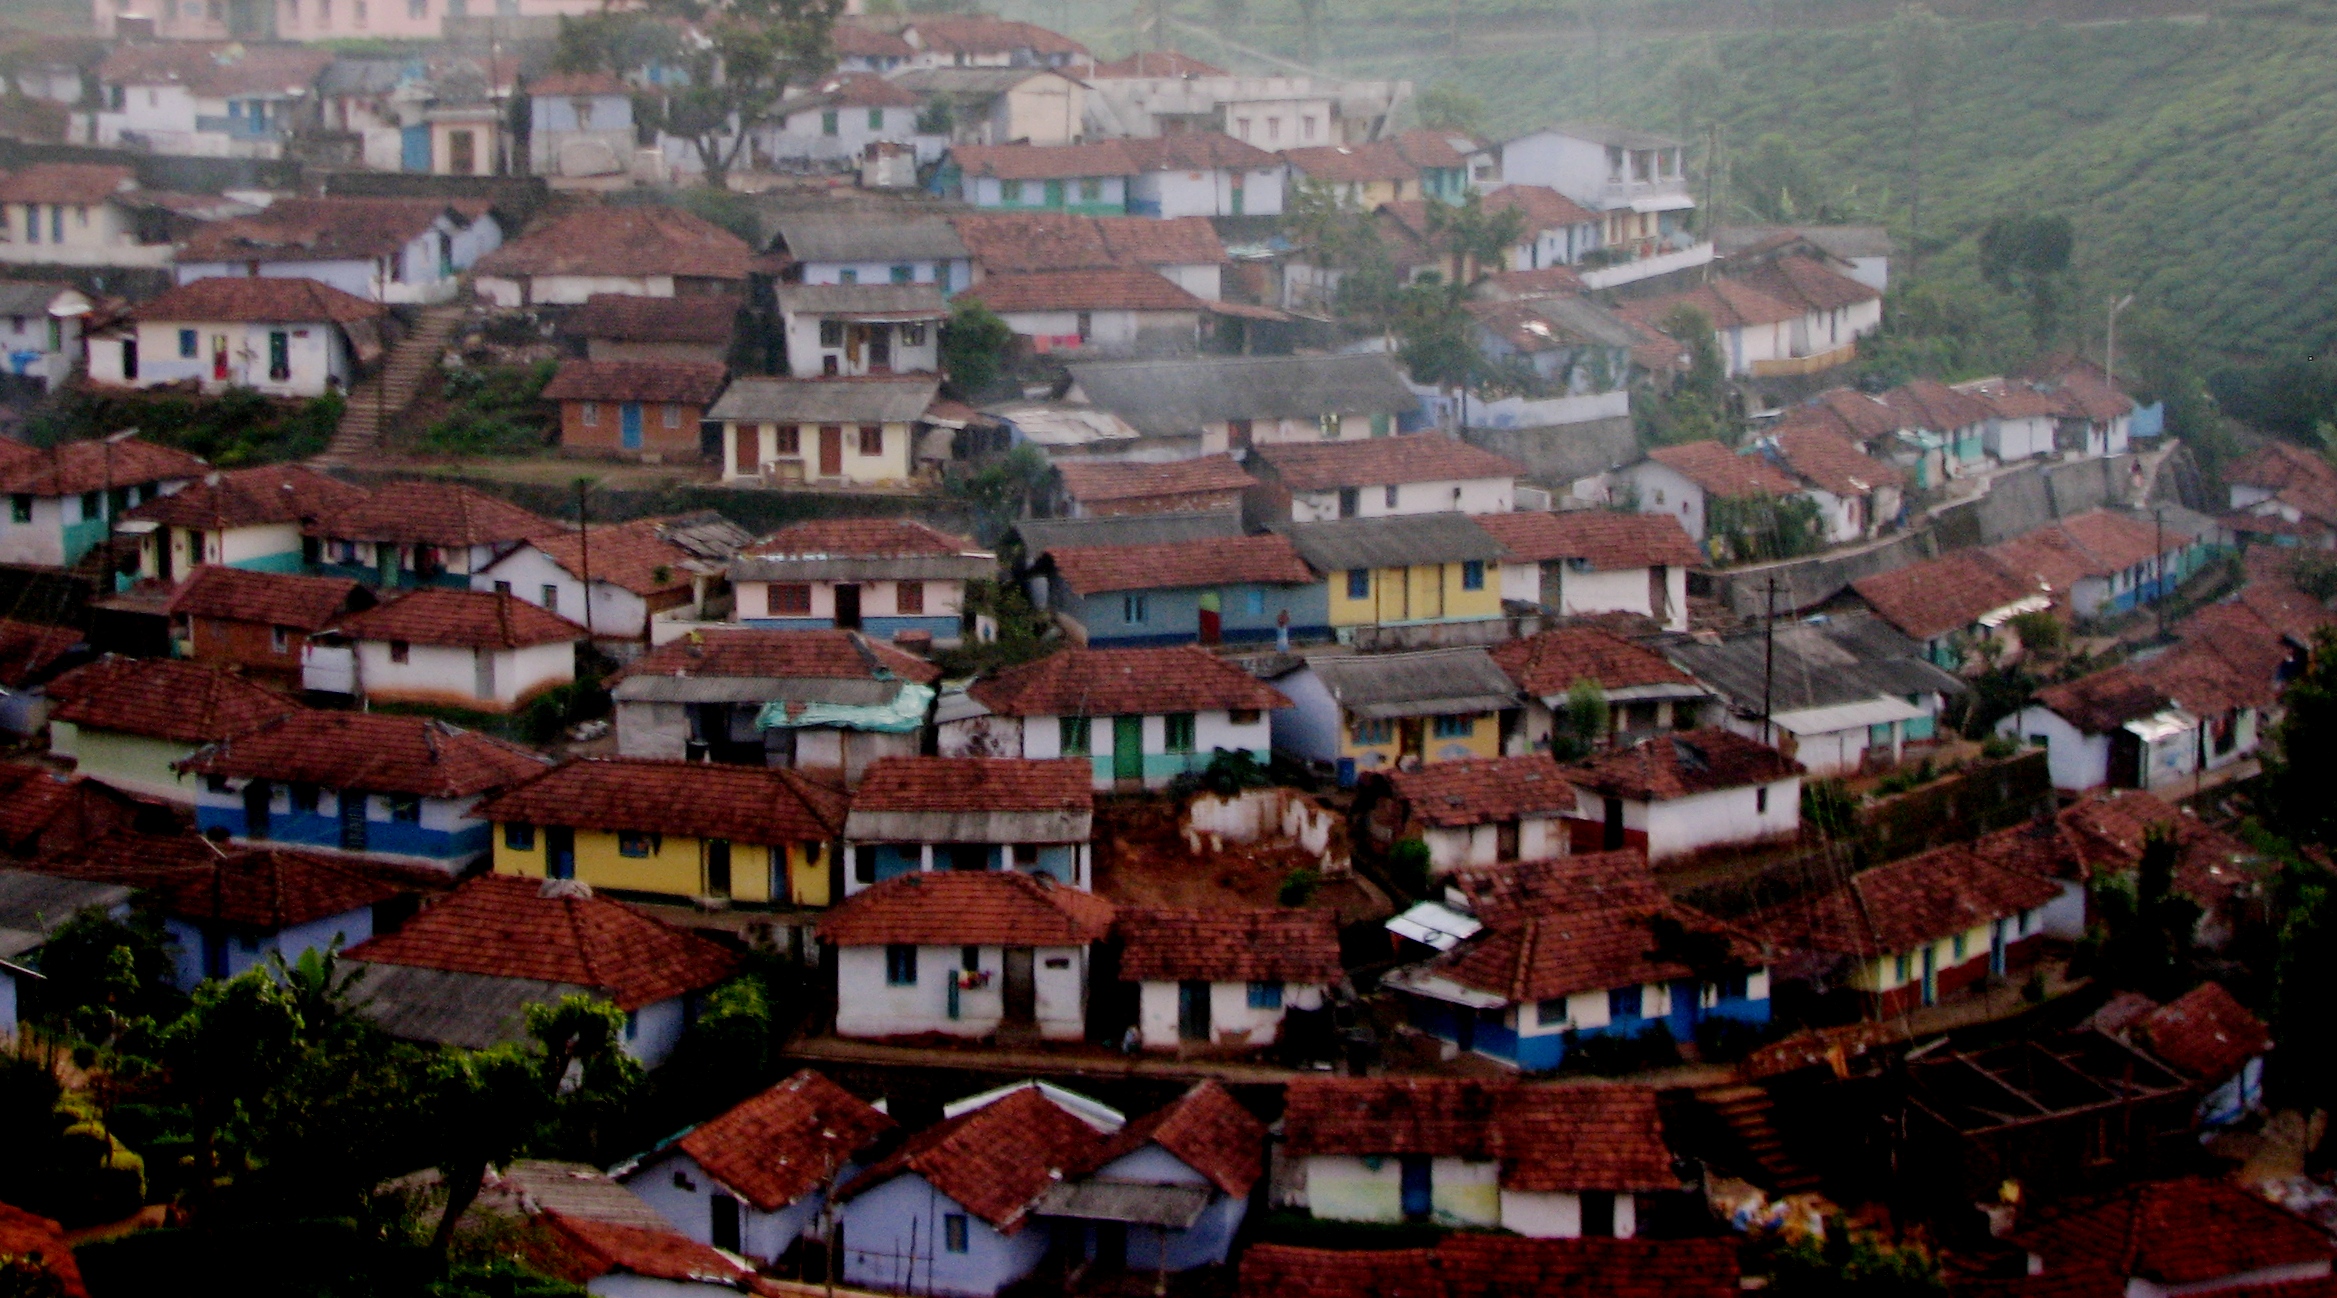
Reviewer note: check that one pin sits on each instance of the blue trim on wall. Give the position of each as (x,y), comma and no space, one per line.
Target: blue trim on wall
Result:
(383,837)
(878,628)
(288,563)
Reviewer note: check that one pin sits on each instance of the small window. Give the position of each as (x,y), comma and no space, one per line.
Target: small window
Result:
(1899,968)
(187,344)
(912,335)
(1265,996)
(872,439)
(876,119)
(1956,948)
(1625,1002)
(91,503)
(864,865)
(829,122)
(20,509)
(1244,716)
(406,808)
(503,588)
(551,598)
(280,639)
(848,275)
(1134,609)
(909,597)
(1371,734)
(787,599)
(1455,727)
(1091,191)
(905,275)
(832,331)
(970,959)
(1075,734)
(1328,426)
(1009,191)
(400,651)
(673,416)
(1761,800)
(519,836)
(632,1017)
(303,798)
(1359,583)
(1254,602)
(1178,730)
(787,439)
(953,1232)
(632,842)
(1391,494)
(1473,574)
(900,965)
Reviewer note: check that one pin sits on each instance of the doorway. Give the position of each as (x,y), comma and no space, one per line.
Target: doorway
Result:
(1410,741)
(1128,748)
(717,867)
(1611,836)
(462,153)
(724,1225)
(847,607)
(559,852)
(1019,993)
(1193,1011)
(831,451)
(483,675)
(219,357)
(1212,618)
(880,349)
(972,858)
(1238,434)
(256,797)
(629,424)
(1419,1194)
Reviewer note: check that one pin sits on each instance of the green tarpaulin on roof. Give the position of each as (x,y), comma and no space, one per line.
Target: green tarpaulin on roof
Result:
(903,715)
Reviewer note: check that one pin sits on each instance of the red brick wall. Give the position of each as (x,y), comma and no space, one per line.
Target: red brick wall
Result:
(607,436)
(1166,504)
(249,645)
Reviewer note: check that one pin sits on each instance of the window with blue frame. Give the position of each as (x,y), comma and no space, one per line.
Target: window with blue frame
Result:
(1455,727)
(519,837)
(632,842)
(900,965)
(828,122)
(1899,967)
(1373,733)
(1359,583)
(1626,1003)
(1473,574)
(1958,946)
(1265,996)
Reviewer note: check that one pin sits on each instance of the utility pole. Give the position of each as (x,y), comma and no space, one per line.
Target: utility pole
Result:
(584,547)
(2158,563)
(1769,664)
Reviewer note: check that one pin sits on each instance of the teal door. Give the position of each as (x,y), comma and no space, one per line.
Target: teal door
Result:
(414,148)
(629,417)
(1127,748)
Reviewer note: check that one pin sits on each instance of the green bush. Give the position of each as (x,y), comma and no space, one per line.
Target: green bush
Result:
(497,410)
(1408,867)
(1298,887)
(235,428)
(548,714)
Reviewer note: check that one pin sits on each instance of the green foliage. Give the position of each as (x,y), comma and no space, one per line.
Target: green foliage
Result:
(1828,808)
(102,976)
(1850,1262)
(546,716)
(1002,488)
(2304,967)
(1996,748)
(1778,183)
(1576,727)
(1024,633)
(2041,632)
(1408,867)
(1694,408)
(1298,887)
(750,53)
(2028,256)
(498,410)
(1751,529)
(2301,766)
(235,428)
(2142,938)
(1607,1054)
(1996,694)
(1231,770)
(974,347)
(1450,108)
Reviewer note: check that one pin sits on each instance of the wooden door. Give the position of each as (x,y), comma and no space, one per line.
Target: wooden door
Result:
(1193,1011)
(880,349)
(1019,990)
(462,153)
(847,607)
(717,867)
(831,452)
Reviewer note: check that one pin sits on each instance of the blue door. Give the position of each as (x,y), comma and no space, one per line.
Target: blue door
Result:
(414,148)
(630,419)
(1417,1197)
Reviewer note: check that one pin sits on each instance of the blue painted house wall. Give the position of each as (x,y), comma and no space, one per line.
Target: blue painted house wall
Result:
(223,951)
(894,1237)
(1059,861)
(1489,1033)
(945,627)
(444,833)
(1204,1243)
(1173,616)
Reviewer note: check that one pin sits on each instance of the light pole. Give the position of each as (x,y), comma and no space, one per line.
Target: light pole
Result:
(2110,344)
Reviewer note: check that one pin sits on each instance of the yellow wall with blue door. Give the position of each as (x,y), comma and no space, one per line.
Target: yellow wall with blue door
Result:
(1359,739)
(1423,592)
(675,866)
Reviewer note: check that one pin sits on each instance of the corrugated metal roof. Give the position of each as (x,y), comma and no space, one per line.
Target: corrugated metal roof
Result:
(1431,682)
(1040,535)
(1175,1206)
(828,401)
(1845,659)
(1395,542)
(861,236)
(473,1011)
(1165,398)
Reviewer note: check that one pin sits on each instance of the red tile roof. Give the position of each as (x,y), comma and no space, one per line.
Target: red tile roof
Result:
(1115,481)
(1550,663)
(1924,403)
(777,1147)
(1929,599)
(2205,1032)
(859,90)
(1124,682)
(470,618)
(593,1249)
(257,888)
(2277,465)
(2180,1232)
(2085,396)
(1269,559)
(67,182)
(622,317)
(744,804)
(1546,281)
(1580,881)
(1197,151)
(2109,828)
(262,301)
(1485,789)
(749,651)
(70,468)
(1859,416)
(275,493)
(1907,904)
(314,229)
(632,556)
(995,1161)
(1499,1266)
(1805,283)
(375,751)
(273,598)
(210,70)
(1683,764)
(1834,464)
(1128,289)
(976,784)
(22,1234)
(413,512)
(1288,1271)
(1719,471)
(1537,946)
(2105,700)
(1020,242)
(969,908)
(1279,945)
(1413,457)
(984,34)
(1608,540)
(161,698)
(1726,303)
(1207,1130)
(623,241)
(1547,1137)
(1544,208)
(1341,164)
(553,931)
(28,649)
(859,538)
(855,39)
(691,383)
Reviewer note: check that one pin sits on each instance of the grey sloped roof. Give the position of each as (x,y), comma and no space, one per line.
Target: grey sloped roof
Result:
(1581,318)
(1600,133)
(970,81)
(826,401)
(579,1190)
(1165,398)
(473,1011)
(862,299)
(705,534)
(836,236)
(366,76)
(1176,1206)
(1430,682)
(1394,542)
(1040,535)
(1819,664)
(32,906)
(29,297)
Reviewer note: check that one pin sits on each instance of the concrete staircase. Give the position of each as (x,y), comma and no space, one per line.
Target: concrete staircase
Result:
(378,399)
(1744,1110)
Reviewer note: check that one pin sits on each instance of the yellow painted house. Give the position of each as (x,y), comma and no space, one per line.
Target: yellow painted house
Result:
(1375,712)
(838,431)
(1403,569)
(745,834)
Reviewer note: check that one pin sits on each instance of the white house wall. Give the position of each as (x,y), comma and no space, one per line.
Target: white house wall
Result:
(868,1007)
(1464,495)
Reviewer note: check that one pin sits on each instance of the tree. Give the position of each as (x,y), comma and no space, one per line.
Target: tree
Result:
(2146,944)
(2029,256)
(752,51)
(974,347)
(100,976)
(1000,489)
(2302,766)
(223,1055)
(1450,108)
(1479,241)
(1919,48)
(1575,727)
(1694,407)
